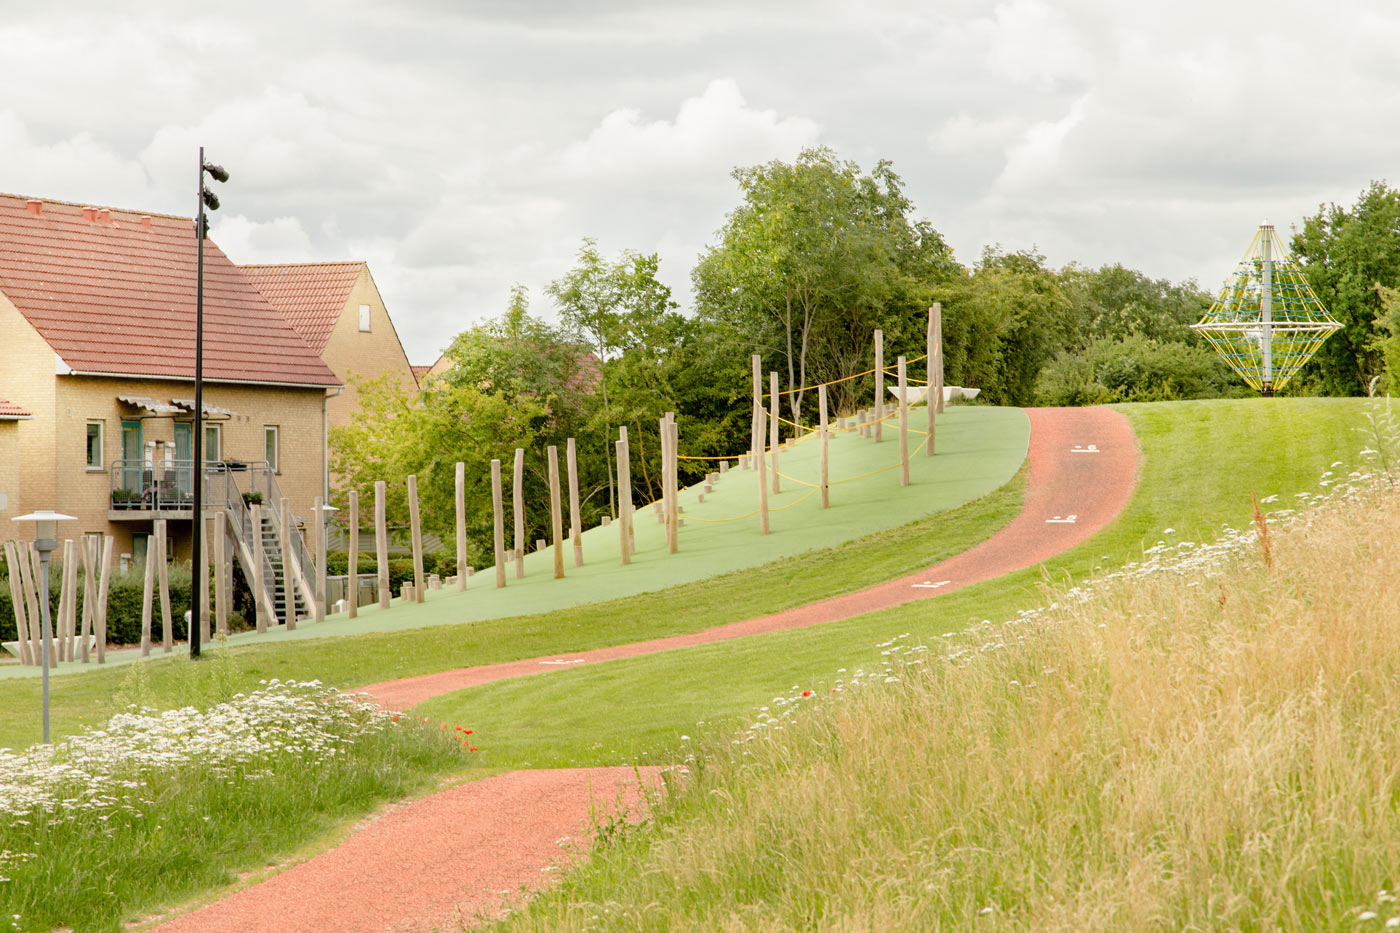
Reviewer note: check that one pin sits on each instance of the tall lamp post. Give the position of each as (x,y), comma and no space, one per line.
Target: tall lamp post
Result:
(45,541)
(210,200)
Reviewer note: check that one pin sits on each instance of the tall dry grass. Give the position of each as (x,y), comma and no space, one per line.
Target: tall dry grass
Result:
(1212,748)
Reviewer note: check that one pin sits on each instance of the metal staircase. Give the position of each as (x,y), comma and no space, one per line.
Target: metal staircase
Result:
(226,490)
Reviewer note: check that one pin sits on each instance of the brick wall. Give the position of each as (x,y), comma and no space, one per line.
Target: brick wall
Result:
(352,352)
(51,460)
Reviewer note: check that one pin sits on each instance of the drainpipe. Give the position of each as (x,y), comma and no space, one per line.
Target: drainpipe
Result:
(326,444)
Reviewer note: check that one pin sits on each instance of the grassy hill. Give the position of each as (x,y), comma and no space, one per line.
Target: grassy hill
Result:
(1207,745)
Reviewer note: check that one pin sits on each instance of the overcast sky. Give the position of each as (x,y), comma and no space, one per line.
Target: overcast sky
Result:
(462,147)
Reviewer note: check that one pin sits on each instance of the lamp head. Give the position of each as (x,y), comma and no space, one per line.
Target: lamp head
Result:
(211,200)
(218,172)
(45,534)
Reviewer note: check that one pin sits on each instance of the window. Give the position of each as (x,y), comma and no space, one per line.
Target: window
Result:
(270,442)
(364,319)
(94,445)
(213,450)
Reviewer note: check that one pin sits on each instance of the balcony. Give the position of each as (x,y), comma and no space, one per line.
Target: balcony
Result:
(141,490)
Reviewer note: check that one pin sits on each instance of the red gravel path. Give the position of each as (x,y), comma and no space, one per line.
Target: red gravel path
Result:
(461,852)
(1083,466)
(431,863)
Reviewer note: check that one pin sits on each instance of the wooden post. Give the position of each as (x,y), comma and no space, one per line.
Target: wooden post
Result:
(90,553)
(289,590)
(773,437)
(826,489)
(931,368)
(416,530)
(755,434)
(556,512)
(673,477)
(903,423)
(65,602)
(221,580)
(575,520)
(318,552)
(167,631)
(30,564)
(879,415)
(631,504)
(938,347)
(497,512)
(624,483)
(461,526)
(518,507)
(759,415)
(109,546)
(255,522)
(381,545)
(148,592)
(26,656)
(352,555)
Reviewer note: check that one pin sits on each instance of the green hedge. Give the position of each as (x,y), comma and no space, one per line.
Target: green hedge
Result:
(124,603)
(400,568)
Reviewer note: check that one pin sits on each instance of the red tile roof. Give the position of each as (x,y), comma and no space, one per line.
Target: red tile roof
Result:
(115,296)
(9,411)
(420,371)
(310,294)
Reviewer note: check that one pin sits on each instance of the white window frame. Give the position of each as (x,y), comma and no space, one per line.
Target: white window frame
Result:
(101,465)
(364,319)
(275,462)
(218,430)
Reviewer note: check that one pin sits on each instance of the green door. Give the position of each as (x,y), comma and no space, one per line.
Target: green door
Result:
(184,479)
(131,456)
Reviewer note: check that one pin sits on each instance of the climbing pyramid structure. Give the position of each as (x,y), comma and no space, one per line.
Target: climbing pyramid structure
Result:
(1266,322)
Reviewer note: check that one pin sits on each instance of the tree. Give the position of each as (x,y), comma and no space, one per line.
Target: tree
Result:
(1345,255)
(613,306)
(1115,302)
(514,382)
(816,257)
(1002,323)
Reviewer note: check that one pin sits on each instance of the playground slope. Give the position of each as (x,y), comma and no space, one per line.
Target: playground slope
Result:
(980,449)
(436,862)
(1083,467)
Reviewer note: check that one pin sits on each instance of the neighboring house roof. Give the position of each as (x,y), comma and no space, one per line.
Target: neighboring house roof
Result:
(113,292)
(420,371)
(310,294)
(9,411)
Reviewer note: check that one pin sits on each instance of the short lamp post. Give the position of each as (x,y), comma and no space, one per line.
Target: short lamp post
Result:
(326,511)
(45,541)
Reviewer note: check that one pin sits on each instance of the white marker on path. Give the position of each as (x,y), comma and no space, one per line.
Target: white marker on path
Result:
(926,585)
(1057,520)
(569,661)
(1091,449)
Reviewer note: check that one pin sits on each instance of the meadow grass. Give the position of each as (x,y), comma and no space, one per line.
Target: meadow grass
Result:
(1209,746)
(155,808)
(1200,463)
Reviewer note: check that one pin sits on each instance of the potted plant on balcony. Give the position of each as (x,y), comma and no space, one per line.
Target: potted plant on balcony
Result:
(234,465)
(125,499)
(252,498)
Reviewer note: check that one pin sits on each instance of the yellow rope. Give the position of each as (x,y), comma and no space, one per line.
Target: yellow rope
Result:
(796,480)
(851,479)
(831,383)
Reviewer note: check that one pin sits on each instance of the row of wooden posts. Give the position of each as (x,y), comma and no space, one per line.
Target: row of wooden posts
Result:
(73,638)
(69,639)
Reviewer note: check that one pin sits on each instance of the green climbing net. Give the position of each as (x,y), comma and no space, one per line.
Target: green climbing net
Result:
(1267,321)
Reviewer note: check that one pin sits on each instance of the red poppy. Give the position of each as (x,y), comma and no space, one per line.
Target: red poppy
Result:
(806,693)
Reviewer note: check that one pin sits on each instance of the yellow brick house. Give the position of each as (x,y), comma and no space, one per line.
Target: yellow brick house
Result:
(338,311)
(97,315)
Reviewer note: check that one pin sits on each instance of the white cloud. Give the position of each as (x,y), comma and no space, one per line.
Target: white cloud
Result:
(245,241)
(711,133)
